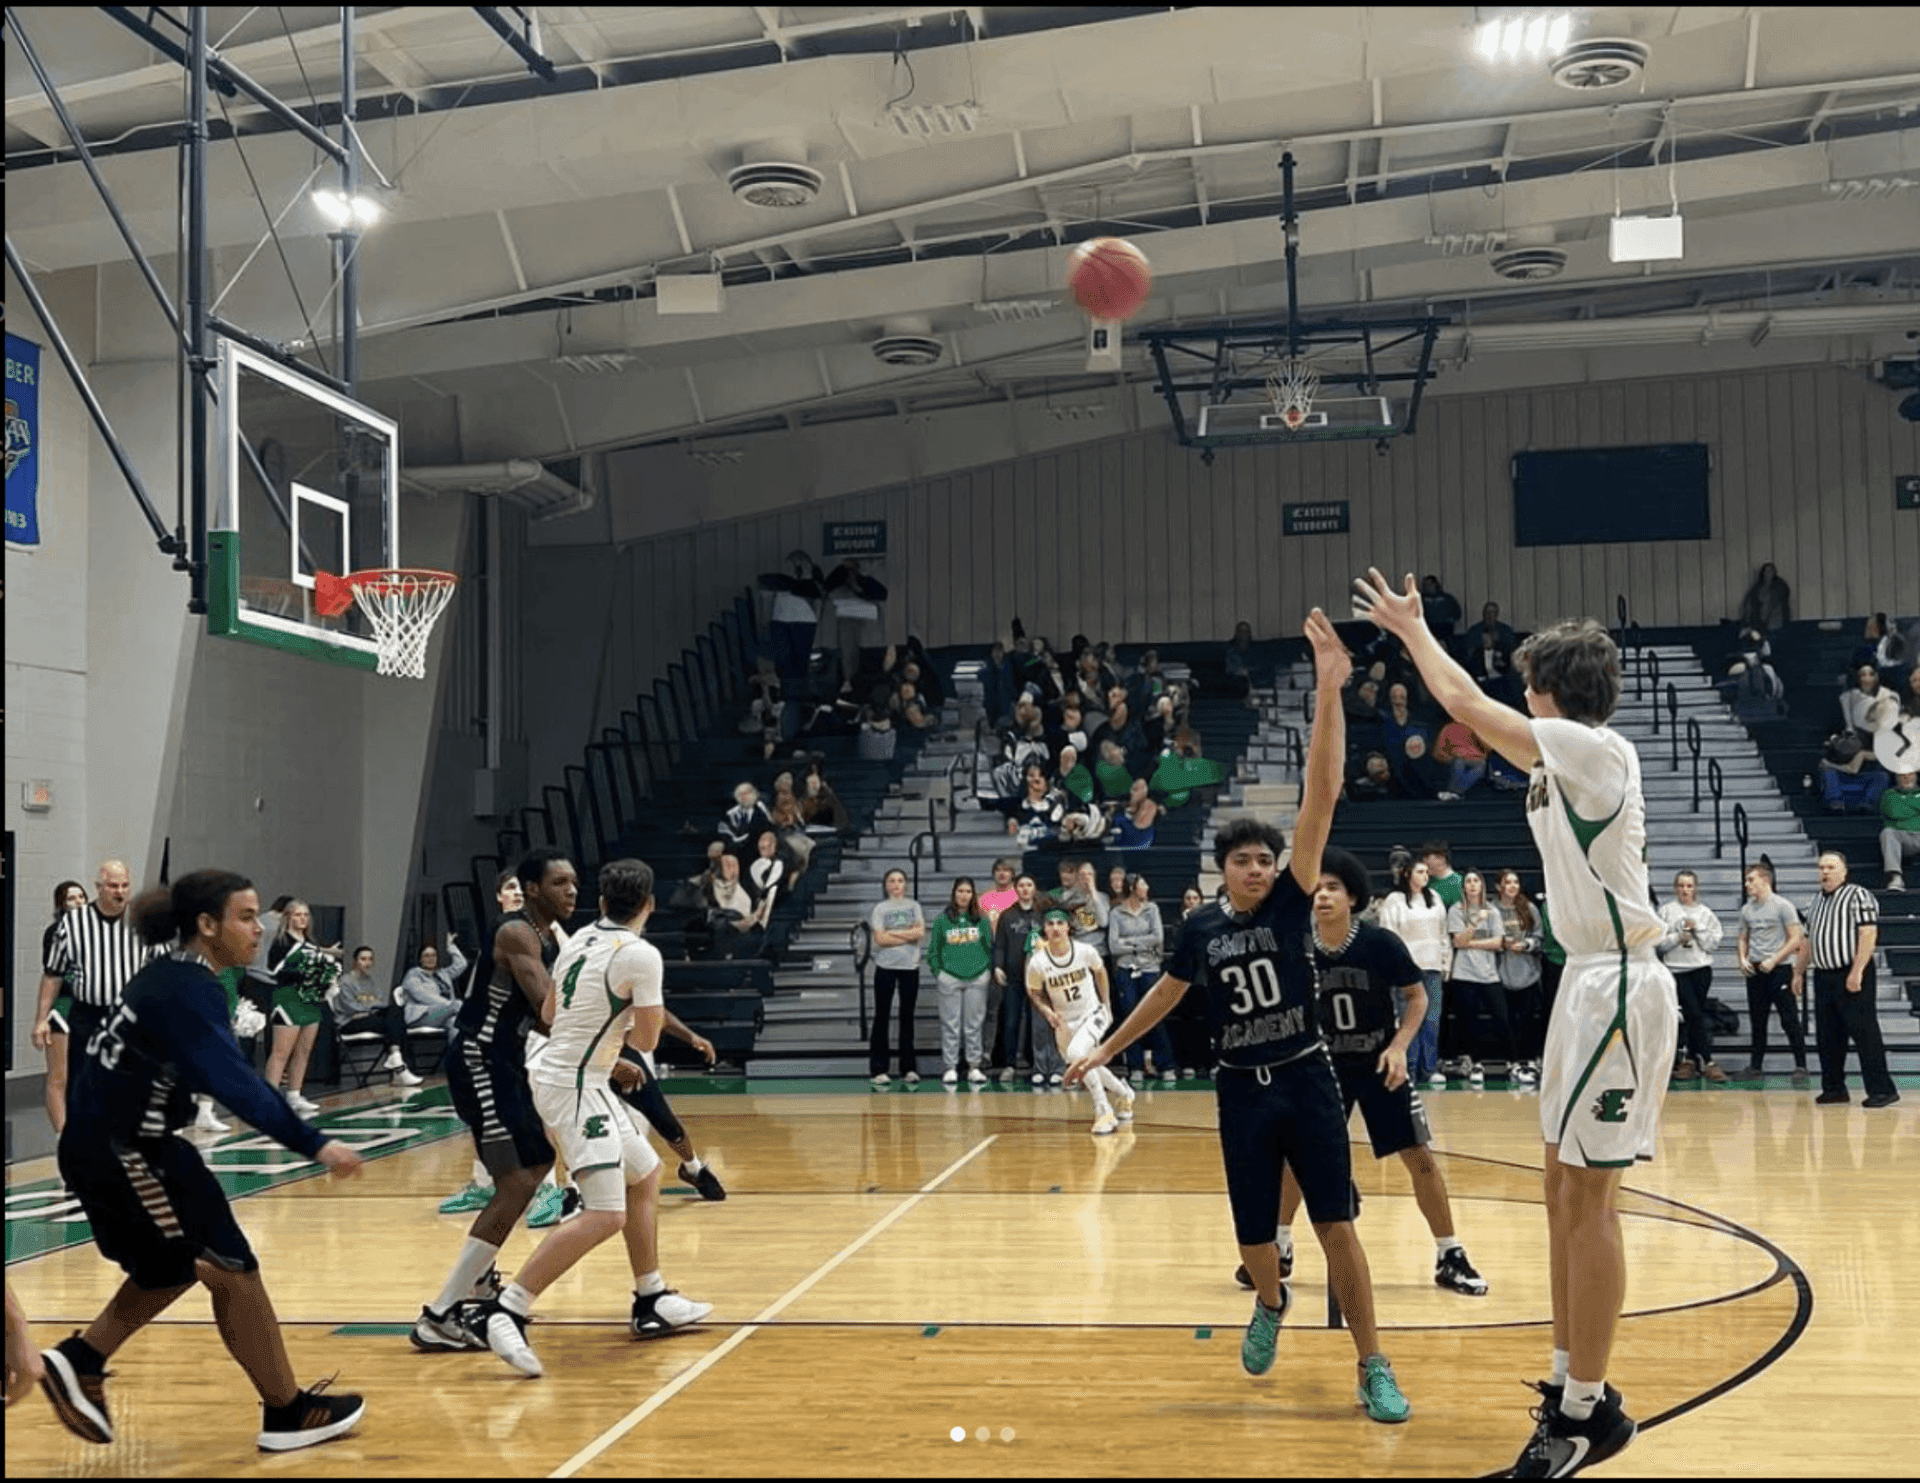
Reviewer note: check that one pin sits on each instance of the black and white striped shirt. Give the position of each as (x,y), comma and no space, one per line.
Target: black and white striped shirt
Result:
(1834,920)
(103,952)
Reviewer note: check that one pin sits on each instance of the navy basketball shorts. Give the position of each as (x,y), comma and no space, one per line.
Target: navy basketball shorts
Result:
(155,1207)
(1396,1121)
(488,1085)
(1274,1117)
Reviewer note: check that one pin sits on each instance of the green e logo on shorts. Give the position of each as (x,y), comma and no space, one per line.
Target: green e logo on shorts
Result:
(596,1126)
(1611,1105)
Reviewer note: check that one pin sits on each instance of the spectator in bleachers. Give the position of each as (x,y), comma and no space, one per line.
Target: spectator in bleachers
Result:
(856,603)
(1121,727)
(1768,604)
(1002,894)
(1070,730)
(1478,937)
(908,709)
(768,877)
(1373,780)
(917,665)
(740,825)
(1242,679)
(1693,934)
(1437,856)
(1399,720)
(1136,942)
(819,804)
(899,930)
(876,736)
(1013,938)
(1420,775)
(1077,781)
(789,827)
(1133,825)
(1092,681)
(303,974)
(1147,683)
(1414,912)
(790,628)
(363,1005)
(996,686)
(1770,936)
(1488,656)
(1111,775)
(1442,608)
(1038,810)
(736,918)
(960,956)
(766,706)
(1520,976)
(1464,755)
(1088,908)
(1039,672)
(1899,828)
(1849,775)
(429,992)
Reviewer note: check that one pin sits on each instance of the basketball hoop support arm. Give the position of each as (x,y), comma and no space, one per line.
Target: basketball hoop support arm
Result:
(1290,227)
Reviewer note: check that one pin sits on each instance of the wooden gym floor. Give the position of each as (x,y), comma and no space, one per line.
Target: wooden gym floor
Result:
(890,1267)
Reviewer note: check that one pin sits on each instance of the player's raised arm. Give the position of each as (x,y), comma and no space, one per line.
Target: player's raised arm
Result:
(1501,727)
(1326,752)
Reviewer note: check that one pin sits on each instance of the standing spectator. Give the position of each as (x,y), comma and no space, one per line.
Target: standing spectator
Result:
(1900,828)
(1437,855)
(899,927)
(1553,961)
(856,599)
(1136,941)
(303,975)
(1479,936)
(1770,935)
(1087,908)
(740,825)
(1520,975)
(94,952)
(1693,932)
(362,1005)
(67,896)
(1242,679)
(1441,607)
(996,685)
(1768,604)
(1843,928)
(1014,936)
(960,955)
(796,594)
(1414,912)
(1002,895)
(428,994)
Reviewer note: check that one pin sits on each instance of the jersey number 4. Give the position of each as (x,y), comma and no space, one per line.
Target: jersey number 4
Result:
(572,983)
(1257,983)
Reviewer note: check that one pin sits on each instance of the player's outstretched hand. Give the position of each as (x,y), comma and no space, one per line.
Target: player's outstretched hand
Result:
(1078,1071)
(705,1047)
(342,1162)
(1399,613)
(1331,662)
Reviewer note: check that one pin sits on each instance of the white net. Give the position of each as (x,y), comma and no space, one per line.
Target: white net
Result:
(1291,387)
(401,607)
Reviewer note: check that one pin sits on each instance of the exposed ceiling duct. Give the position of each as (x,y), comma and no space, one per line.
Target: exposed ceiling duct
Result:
(908,341)
(775,176)
(1600,63)
(1531,264)
(525,481)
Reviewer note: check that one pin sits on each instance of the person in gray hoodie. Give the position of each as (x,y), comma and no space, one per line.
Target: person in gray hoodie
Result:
(1136,941)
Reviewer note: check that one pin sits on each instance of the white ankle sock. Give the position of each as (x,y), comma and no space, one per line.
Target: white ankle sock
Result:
(1443,1244)
(480,1175)
(647,1286)
(474,1259)
(1580,1398)
(694,1166)
(1285,1241)
(516,1299)
(1560,1363)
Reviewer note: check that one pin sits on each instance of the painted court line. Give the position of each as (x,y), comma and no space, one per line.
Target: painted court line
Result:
(773,1310)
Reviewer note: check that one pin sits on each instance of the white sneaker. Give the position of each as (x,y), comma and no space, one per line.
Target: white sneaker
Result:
(1170,1076)
(405,1078)
(1896,882)
(1039,1078)
(301,1104)
(976,1077)
(1436,1082)
(507,1337)
(1123,1107)
(951,1079)
(912,1078)
(1137,1076)
(1475,1076)
(1055,1080)
(881,1079)
(1104,1124)
(394,1061)
(206,1122)
(664,1312)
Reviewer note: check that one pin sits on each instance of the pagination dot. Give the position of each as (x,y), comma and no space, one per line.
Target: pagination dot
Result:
(1006,1434)
(982,1434)
(959,1434)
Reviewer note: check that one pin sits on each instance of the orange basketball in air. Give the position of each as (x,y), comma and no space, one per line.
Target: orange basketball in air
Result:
(1110,278)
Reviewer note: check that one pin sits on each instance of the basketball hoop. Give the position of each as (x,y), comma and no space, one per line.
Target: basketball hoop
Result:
(401,605)
(1291,388)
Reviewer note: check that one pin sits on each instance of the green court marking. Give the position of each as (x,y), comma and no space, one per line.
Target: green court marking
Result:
(1203,1333)
(929,1331)
(373,1330)
(41,1217)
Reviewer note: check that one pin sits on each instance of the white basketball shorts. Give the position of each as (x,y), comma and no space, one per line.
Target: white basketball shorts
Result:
(597,1133)
(1610,1048)
(1080,1039)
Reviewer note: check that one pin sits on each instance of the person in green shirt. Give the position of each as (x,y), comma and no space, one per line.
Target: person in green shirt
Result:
(1900,828)
(1441,876)
(960,954)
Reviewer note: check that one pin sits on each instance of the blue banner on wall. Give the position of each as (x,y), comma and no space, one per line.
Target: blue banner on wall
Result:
(23,442)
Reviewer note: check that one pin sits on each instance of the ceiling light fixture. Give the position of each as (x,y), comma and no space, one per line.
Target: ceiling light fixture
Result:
(1529,35)
(342,210)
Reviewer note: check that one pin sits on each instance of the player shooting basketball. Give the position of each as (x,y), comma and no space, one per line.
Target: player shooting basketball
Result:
(1616,1020)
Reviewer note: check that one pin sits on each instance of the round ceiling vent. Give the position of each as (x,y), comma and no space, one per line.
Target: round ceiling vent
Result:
(1598,63)
(908,348)
(775,184)
(1531,264)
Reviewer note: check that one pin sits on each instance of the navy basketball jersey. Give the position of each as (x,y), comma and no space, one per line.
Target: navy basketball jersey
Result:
(1256,973)
(500,1013)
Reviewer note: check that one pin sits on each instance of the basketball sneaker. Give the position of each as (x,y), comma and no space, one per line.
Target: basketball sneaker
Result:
(310,1418)
(1453,1271)
(706,1182)
(488,1284)
(457,1328)
(506,1333)
(1380,1393)
(1476,1075)
(1245,1278)
(663,1312)
(1123,1106)
(976,1077)
(76,1383)
(205,1122)
(1263,1333)
(950,1077)
(473,1197)
(1561,1447)
(1171,1075)
(546,1207)
(880,1079)
(572,1202)
(1105,1123)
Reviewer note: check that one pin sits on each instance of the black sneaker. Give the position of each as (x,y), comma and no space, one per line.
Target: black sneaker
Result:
(664,1312)
(1833,1099)
(1561,1447)
(308,1419)
(75,1382)
(1881,1099)
(571,1204)
(460,1327)
(1242,1276)
(1453,1271)
(489,1284)
(706,1182)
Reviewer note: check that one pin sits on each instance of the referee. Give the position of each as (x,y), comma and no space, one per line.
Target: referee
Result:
(1843,927)
(100,947)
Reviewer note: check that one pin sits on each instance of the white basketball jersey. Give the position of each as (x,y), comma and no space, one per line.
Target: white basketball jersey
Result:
(601,974)
(1589,822)
(1070,983)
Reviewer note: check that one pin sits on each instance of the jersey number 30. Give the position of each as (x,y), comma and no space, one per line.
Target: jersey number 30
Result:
(1263,991)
